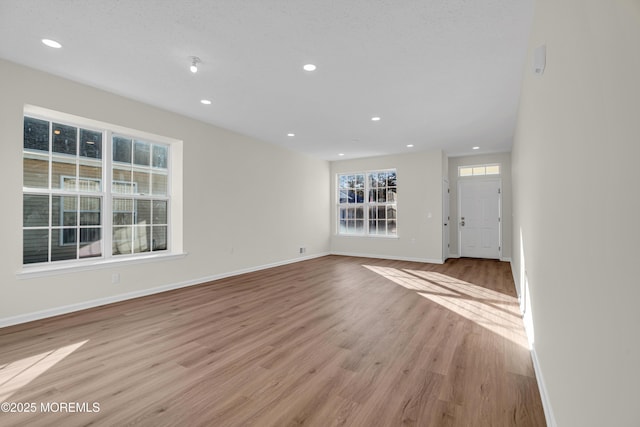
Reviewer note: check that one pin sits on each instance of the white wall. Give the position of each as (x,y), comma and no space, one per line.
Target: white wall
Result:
(576,206)
(504,159)
(246,203)
(419,208)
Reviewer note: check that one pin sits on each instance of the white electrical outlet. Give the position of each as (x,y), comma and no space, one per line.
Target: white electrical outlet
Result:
(303,249)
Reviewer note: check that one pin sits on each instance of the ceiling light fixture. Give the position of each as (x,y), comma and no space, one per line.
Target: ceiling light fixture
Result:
(409,145)
(291,134)
(375,119)
(476,148)
(309,67)
(340,154)
(51,43)
(205,101)
(194,64)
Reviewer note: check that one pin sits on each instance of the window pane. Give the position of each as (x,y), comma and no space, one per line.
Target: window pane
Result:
(63,170)
(142,239)
(465,171)
(372,227)
(343,213)
(90,175)
(159,242)
(382,196)
(90,242)
(351,196)
(373,196)
(392,195)
(382,179)
(478,170)
(342,181)
(143,212)
(382,227)
(35,245)
(381,212)
(351,226)
(359,226)
(159,212)
(65,139)
(90,211)
(159,184)
(493,170)
(142,153)
(121,240)
(36,134)
(141,182)
(359,213)
(36,170)
(121,149)
(343,226)
(160,153)
(90,144)
(392,227)
(372,212)
(391,179)
(35,211)
(391,212)
(63,244)
(373,180)
(343,196)
(359,181)
(64,211)
(122,181)
(122,211)
(359,196)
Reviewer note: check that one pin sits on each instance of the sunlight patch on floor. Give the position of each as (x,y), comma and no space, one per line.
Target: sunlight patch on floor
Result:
(15,375)
(492,310)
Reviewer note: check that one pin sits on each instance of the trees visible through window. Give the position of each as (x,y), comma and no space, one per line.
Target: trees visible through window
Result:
(68,211)
(367,203)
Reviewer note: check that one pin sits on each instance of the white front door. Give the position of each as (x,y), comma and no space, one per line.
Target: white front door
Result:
(479,214)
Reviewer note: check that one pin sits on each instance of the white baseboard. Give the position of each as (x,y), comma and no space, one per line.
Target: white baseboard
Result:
(454,255)
(56,311)
(393,257)
(505,259)
(544,395)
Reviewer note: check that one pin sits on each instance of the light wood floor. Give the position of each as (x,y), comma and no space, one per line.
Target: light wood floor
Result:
(327,342)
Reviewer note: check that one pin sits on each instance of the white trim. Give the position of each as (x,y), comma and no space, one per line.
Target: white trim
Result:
(91,264)
(56,311)
(393,257)
(542,387)
(452,255)
(506,259)
(544,394)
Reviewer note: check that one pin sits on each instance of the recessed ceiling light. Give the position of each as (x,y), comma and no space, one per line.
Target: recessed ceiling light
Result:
(340,154)
(476,148)
(51,43)
(375,119)
(309,67)
(409,145)
(291,134)
(205,101)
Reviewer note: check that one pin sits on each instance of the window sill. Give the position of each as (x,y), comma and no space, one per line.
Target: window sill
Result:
(367,236)
(30,272)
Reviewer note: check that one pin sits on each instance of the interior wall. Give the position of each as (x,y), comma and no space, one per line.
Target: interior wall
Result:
(576,208)
(504,159)
(419,208)
(246,203)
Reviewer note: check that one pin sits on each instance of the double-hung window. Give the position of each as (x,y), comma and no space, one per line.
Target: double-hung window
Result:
(367,203)
(91,192)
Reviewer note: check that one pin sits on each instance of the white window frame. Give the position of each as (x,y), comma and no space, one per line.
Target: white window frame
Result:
(366,205)
(173,197)
(484,173)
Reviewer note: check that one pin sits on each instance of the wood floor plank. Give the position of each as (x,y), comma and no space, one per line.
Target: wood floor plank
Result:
(334,341)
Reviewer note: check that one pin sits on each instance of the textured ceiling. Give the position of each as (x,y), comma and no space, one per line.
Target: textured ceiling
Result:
(440,73)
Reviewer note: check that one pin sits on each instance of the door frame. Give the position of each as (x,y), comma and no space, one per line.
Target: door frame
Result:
(459,212)
(446,220)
